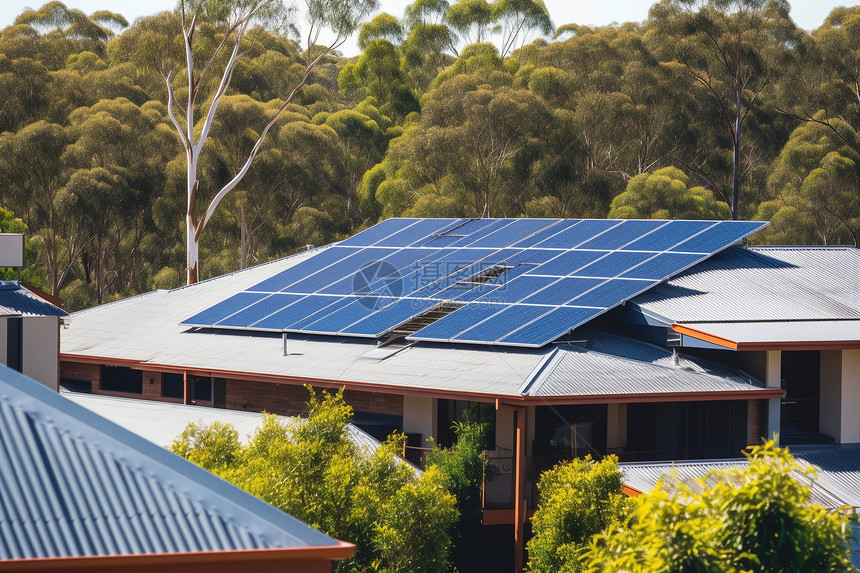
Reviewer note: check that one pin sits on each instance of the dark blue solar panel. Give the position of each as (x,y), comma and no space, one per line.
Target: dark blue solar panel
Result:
(458,232)
(461,319)
(558,322)
(668,235)
(385,273)
(510,234)
(333,273)
(579,233)
(432,278)
(518,289)
(377,232)
(305,268)
(618,236)
(295,312)
(478,234)
(532,257)
(567,263)
(419,232)
(719,236)
(476,292)
(547,232)
(224,308)
(549,264)
(501,324)
(259,310)
(662,266)
(611,293)
(349,314)
(562,291)
(613,264)
(336,303)
(389,317)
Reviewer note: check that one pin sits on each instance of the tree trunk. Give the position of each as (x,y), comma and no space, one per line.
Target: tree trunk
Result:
(736,152)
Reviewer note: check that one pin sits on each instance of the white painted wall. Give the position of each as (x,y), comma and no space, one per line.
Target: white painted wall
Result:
(505,430)
(419,416)
(41,349)
(830,409)
(840,395)
(850,433)
(616,425)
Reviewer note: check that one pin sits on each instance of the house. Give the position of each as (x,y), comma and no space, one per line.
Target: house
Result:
(30,333)
(79,493)
(567,336)
(29,320)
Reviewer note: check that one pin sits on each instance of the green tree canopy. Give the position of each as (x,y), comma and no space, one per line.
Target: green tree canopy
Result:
(664,194)
(400,520)
(757,519)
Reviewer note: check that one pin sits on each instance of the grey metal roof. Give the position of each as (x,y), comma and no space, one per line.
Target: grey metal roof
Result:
(836,484)
(162,422)
(74,484)
(16,300)
(580,372)
(762,284)
(146,329)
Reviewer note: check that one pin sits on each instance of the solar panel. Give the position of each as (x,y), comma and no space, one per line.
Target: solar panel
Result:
(521,282)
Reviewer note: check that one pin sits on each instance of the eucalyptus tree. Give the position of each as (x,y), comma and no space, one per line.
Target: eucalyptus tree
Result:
(382,26)
(518,19)
(824,85)
(732,50)
(31,176)
(472,19)
(234,19)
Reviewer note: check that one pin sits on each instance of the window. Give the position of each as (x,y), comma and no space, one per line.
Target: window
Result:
(172,385)
(14,343)
(451,411)
(121,379)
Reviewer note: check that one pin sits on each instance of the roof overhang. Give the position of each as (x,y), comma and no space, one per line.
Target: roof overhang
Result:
(789,335)
(302,558)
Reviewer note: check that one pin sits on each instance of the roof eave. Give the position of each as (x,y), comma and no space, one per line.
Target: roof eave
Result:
(231,559)
(749,346)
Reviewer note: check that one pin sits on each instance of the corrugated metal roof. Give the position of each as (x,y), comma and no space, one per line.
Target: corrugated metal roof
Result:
(146,328)
(14,299)
(75,484)
(130,330)
(762,284)
(579,372)
(162,422)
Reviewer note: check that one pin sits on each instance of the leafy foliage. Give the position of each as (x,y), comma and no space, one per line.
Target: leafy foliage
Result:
(579,498)
(400,521)
(703,104)
(756,519)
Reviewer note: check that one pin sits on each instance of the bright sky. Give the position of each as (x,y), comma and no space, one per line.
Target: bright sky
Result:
(808,14)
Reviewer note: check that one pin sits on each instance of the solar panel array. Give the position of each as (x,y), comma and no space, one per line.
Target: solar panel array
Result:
(519,282)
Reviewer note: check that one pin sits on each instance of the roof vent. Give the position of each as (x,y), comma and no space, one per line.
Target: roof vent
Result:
(486,275)
(418,322)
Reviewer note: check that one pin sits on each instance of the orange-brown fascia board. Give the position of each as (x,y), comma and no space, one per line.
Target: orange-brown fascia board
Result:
(213,560)
(740,345)
(501,401)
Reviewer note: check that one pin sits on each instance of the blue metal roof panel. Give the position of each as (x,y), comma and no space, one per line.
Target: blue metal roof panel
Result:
(15,299)
(74,484)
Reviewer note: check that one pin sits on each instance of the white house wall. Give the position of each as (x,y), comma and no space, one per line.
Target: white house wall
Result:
(41,347)
(419,416)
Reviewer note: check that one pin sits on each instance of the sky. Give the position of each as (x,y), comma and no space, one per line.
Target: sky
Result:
(808,14)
